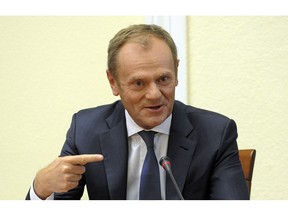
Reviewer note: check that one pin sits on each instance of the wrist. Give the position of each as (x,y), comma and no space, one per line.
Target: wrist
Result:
(39,188)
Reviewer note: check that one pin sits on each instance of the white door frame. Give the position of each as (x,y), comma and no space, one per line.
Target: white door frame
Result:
(176,26)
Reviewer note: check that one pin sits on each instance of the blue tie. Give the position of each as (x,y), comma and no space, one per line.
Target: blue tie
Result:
(150,178)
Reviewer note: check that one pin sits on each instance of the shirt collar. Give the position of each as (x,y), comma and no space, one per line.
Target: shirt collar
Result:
(133,128)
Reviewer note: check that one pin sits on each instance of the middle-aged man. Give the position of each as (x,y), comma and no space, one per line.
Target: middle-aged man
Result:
(105,148)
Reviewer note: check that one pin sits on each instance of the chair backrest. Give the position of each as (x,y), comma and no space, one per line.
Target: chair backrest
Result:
(247,158)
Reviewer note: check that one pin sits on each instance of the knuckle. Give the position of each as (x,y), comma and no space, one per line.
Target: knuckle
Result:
(83,161)
(83,169)
(68,186)
(72,185)
(78,177)
(65,168)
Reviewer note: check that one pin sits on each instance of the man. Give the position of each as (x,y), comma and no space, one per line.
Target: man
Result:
(104,151)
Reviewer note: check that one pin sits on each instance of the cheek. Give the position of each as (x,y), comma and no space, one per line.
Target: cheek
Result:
(169,93)
(130,99)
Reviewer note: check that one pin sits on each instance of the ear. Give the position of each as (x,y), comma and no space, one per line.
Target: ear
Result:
(177,64)
(113,83)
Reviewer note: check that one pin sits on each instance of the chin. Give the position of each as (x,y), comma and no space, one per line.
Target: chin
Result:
(154,123)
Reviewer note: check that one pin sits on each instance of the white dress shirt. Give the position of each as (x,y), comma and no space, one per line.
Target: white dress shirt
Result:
(136,155)
(137,151)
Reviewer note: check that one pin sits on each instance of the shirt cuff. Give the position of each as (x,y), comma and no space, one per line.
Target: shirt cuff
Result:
(33,195)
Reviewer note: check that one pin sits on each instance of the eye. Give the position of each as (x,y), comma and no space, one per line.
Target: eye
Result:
(138,83)
(164,79)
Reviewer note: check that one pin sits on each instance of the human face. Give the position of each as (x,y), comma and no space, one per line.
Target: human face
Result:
(146,81)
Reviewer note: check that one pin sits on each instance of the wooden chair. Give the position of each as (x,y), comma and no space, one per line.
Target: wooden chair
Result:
(247,158)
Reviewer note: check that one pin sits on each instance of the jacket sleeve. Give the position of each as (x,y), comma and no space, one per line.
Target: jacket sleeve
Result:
(227,180)
(69,148)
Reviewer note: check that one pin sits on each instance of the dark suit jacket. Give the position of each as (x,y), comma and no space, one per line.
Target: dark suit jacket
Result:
(202,147)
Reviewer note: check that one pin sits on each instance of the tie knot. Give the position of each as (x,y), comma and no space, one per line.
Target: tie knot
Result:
(148,137)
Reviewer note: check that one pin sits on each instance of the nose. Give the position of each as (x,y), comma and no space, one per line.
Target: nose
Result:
(153,91)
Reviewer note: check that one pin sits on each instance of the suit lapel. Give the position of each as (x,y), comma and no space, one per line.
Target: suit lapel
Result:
(115,150)
(114,144)
(181,147)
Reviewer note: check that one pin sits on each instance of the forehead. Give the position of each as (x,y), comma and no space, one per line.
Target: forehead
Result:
(149,47)
(136,61)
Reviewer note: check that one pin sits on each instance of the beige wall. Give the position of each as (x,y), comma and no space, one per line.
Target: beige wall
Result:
(239,66)
(50,67)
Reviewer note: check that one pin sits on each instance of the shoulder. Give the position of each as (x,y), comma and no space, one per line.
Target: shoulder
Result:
(99,114)
(202,116)
(99,110)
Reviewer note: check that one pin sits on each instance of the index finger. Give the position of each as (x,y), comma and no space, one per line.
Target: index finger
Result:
(83,159)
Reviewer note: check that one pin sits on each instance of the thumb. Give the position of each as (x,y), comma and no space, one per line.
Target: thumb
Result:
(83,159)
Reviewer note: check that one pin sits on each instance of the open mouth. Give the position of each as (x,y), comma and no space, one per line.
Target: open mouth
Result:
(154,107)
